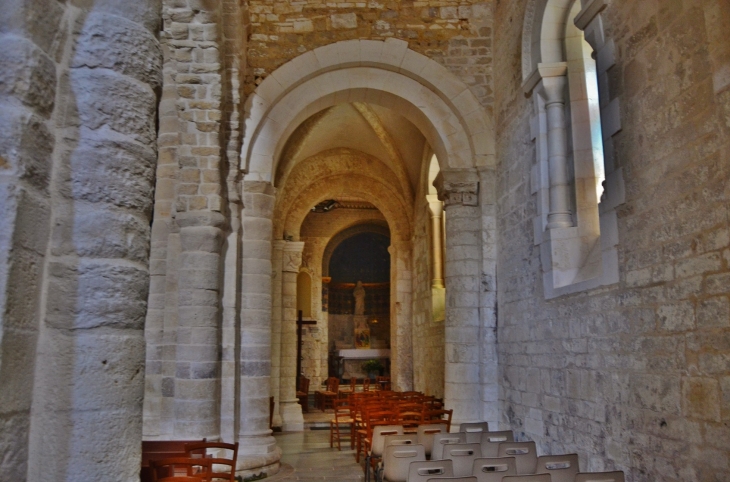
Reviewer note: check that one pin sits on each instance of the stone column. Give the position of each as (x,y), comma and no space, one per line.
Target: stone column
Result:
(28,90)
(89,377)
(459,189)
(276,275)
(553,85)
(436,208)
(257,451)
(197,377)
(291,411)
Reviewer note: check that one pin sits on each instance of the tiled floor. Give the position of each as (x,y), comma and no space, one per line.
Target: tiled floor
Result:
(307,456)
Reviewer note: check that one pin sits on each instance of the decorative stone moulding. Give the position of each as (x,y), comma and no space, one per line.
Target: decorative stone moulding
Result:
(576,225)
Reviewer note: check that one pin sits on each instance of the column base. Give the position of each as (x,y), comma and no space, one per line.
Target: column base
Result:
(292,419)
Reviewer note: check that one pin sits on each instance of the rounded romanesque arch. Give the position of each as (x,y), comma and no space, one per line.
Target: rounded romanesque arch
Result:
(382,73)
(346,233)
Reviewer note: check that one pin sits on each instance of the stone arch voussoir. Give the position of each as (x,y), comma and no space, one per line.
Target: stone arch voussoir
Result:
(383,73)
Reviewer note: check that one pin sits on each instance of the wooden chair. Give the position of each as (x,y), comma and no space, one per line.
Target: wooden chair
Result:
(183,478)
(161,449)
(165,469)
(342,417)
(438,416)
(219,460)
(303,393)
(324,399)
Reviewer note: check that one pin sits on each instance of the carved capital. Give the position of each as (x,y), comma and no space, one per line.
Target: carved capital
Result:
(458,187)
(292,256)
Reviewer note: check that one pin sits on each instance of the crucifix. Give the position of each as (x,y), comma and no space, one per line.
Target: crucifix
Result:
(301,322)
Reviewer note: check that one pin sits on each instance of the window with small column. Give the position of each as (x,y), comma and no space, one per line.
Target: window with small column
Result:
(574,177)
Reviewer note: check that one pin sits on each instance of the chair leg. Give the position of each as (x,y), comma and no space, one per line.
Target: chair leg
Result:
(367,468)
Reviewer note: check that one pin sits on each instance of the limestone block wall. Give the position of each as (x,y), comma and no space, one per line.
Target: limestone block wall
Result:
(457,34)
(634,375)
(79,92)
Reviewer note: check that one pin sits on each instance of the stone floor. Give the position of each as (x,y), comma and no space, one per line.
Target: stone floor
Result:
(307,455)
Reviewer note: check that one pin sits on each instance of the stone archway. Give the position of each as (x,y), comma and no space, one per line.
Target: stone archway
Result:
(459,132)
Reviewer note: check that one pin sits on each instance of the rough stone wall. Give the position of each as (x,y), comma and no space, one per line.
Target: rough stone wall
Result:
(79,95)
(457,34)
(633,376)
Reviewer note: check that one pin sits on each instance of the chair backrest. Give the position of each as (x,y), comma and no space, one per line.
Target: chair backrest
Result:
(227,459)
(178,466)
(333,385)
(490,442)
(377,442)
(426,433)
(616,476)
(525,454)
(430,416)
(303,384)
(562,468)
(527,478)
(442,439)
(365,384)
(398,458)
(467,478)
(463,457)
(474,431)
(183,478)
(492,469)
(422,470)
(404,439)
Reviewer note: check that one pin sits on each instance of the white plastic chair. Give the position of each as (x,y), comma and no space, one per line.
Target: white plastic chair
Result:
(426,433)
(616,476)
(474,431)
(468,478)
(422,470)
(492,469)
(377,444)
(490,442)
(528,478)
(562,468)
(525,454)
(463,456)
(441,439)
(398,458)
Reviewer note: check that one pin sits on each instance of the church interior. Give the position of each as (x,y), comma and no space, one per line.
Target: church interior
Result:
(518,207)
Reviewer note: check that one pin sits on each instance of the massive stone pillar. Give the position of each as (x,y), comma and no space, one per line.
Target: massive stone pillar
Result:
(197,381)
(291,411)
(459,189)
(89,373)
(258,451)
(28,89)
(276,259)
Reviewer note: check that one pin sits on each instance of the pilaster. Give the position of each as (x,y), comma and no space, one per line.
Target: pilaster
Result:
(291,411)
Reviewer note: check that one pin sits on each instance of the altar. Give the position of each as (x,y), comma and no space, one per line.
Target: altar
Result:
(351,359)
